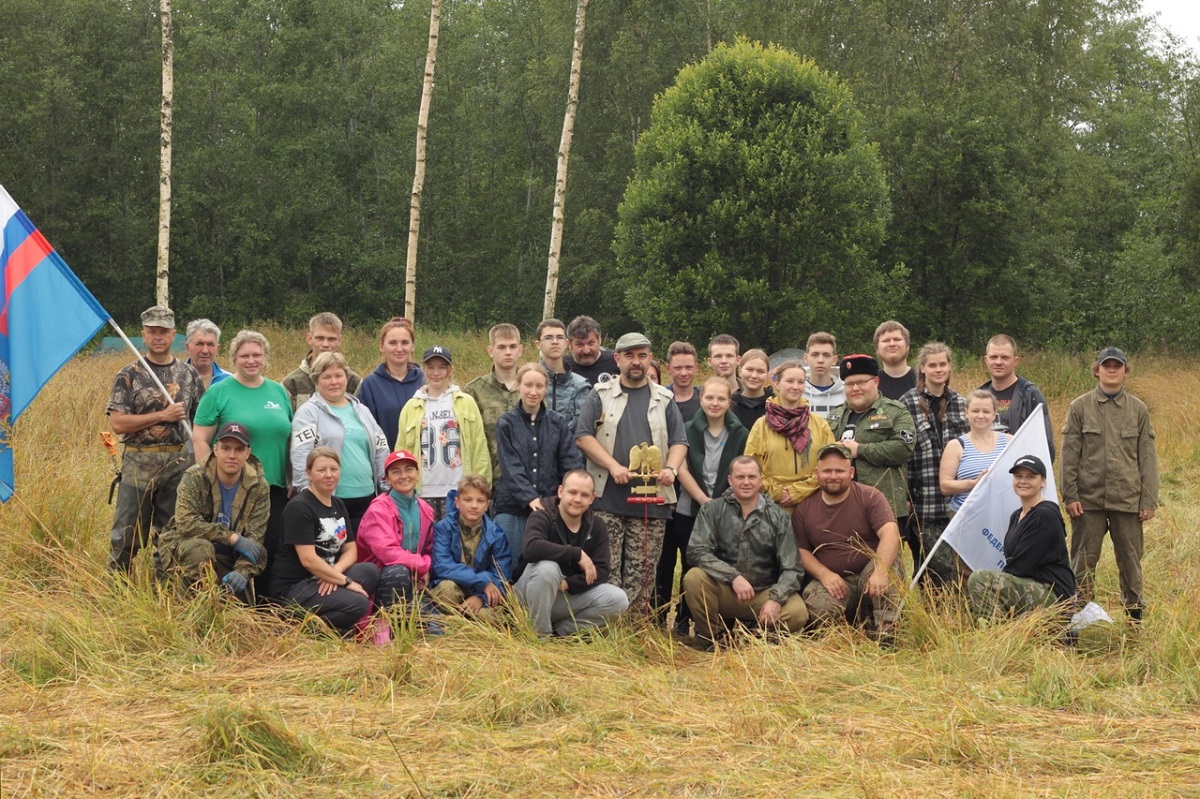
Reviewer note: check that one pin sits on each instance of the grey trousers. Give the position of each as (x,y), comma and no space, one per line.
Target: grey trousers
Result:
(555,612)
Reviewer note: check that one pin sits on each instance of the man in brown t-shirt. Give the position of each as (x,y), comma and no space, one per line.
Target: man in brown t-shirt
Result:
(843,533)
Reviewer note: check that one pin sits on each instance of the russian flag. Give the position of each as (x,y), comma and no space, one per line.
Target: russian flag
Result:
(45,317)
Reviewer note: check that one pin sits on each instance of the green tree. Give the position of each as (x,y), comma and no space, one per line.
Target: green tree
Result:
(755,206)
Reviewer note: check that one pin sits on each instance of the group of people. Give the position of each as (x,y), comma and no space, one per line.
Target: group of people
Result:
(784,489)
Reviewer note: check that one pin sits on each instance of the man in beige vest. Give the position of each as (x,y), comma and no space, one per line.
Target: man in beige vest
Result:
(616,417)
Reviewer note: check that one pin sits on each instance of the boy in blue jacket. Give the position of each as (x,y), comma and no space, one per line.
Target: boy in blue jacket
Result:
(472,563)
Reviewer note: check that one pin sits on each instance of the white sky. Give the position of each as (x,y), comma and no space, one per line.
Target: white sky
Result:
(1181,17)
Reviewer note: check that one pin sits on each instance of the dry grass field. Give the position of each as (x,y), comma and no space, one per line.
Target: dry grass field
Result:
(112,690)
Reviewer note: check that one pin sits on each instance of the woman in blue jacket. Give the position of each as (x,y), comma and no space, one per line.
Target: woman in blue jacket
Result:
(536,447)
(395,380)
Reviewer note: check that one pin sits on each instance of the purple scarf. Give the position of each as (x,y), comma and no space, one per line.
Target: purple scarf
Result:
(791,423)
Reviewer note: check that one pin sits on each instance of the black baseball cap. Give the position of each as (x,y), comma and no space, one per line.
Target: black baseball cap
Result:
(437,351)
(234,430)
(1031,462)
(1112,354)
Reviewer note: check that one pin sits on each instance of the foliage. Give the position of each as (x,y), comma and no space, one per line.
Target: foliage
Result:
(754,192)
(1040,159)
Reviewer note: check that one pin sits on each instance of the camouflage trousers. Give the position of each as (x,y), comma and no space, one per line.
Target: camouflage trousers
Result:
(635,552)
(994,593)
(943,568)
(145,502)
(449,596)
(857,606)
(192,558)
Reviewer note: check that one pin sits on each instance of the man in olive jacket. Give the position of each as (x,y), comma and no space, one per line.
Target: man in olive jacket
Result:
(878,432)
(1109,477)
(220,517)
(746,563)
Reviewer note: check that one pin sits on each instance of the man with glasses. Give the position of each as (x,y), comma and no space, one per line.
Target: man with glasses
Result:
(566,390)
(879,433)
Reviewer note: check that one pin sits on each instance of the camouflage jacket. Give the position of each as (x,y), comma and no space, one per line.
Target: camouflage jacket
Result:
(135,393)
(494,400)
(300,386)
(886,436)
(198,504)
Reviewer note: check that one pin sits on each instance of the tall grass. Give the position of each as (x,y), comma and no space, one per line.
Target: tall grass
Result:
(119,689)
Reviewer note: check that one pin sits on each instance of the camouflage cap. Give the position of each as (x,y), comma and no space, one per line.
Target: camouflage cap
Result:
(158,316)
(840,449)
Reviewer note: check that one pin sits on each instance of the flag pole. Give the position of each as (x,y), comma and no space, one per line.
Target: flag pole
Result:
(925,563)
(142,359)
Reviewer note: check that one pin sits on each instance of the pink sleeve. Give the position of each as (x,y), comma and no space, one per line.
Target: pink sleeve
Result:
(377,531)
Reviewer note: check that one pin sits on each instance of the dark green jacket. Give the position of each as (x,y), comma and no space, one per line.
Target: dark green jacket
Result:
(735,445)
(886,436)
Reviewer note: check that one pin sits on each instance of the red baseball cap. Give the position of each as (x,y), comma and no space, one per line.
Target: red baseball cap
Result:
(400,456)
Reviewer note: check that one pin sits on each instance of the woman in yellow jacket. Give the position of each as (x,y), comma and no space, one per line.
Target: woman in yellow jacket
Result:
(785,442)
(444,425)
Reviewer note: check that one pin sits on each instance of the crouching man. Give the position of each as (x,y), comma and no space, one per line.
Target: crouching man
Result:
(849,542)
(746,564)
(220,517)
(562,576)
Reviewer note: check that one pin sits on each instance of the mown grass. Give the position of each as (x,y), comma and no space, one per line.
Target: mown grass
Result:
(115,689)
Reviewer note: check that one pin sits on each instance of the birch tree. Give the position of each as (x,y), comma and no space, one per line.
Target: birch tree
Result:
(161,293)
(414,216)
(564,157)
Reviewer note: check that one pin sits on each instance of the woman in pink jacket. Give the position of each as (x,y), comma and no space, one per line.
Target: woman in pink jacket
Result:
(396,533)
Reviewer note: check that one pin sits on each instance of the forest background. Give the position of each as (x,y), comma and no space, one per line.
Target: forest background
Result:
(1042,158)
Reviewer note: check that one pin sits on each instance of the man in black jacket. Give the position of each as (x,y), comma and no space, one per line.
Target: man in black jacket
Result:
(562,576)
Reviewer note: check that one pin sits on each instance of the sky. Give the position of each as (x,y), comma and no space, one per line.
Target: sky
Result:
(1181,17)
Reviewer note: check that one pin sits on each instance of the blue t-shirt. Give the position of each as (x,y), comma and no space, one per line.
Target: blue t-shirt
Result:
(358,475)
(226,517)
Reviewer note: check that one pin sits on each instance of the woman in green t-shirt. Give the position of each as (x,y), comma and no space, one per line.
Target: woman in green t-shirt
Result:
(264,408)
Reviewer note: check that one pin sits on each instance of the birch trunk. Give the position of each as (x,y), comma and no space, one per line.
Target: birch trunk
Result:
(162,272)
(564,157)
(414,217)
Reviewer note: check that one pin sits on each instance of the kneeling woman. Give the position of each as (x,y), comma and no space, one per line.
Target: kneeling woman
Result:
(1037,572)
(396,533)
(317,566)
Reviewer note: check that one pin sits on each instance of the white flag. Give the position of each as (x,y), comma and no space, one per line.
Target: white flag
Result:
(977,531)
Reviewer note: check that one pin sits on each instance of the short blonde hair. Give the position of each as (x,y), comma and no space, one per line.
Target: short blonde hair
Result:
(329,360)
(249,337)
(476,482)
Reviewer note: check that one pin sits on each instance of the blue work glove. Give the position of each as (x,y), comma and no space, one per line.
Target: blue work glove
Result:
(250,549)
(234,582)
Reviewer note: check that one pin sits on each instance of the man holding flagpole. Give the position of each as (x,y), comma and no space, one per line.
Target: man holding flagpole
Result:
(155,434)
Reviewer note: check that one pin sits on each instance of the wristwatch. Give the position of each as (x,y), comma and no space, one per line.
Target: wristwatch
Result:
(348,581)
(674,471)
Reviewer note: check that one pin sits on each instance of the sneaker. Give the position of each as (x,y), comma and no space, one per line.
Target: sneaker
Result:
(383,634)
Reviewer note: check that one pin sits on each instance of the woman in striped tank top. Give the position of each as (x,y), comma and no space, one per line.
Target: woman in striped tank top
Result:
(967,458)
